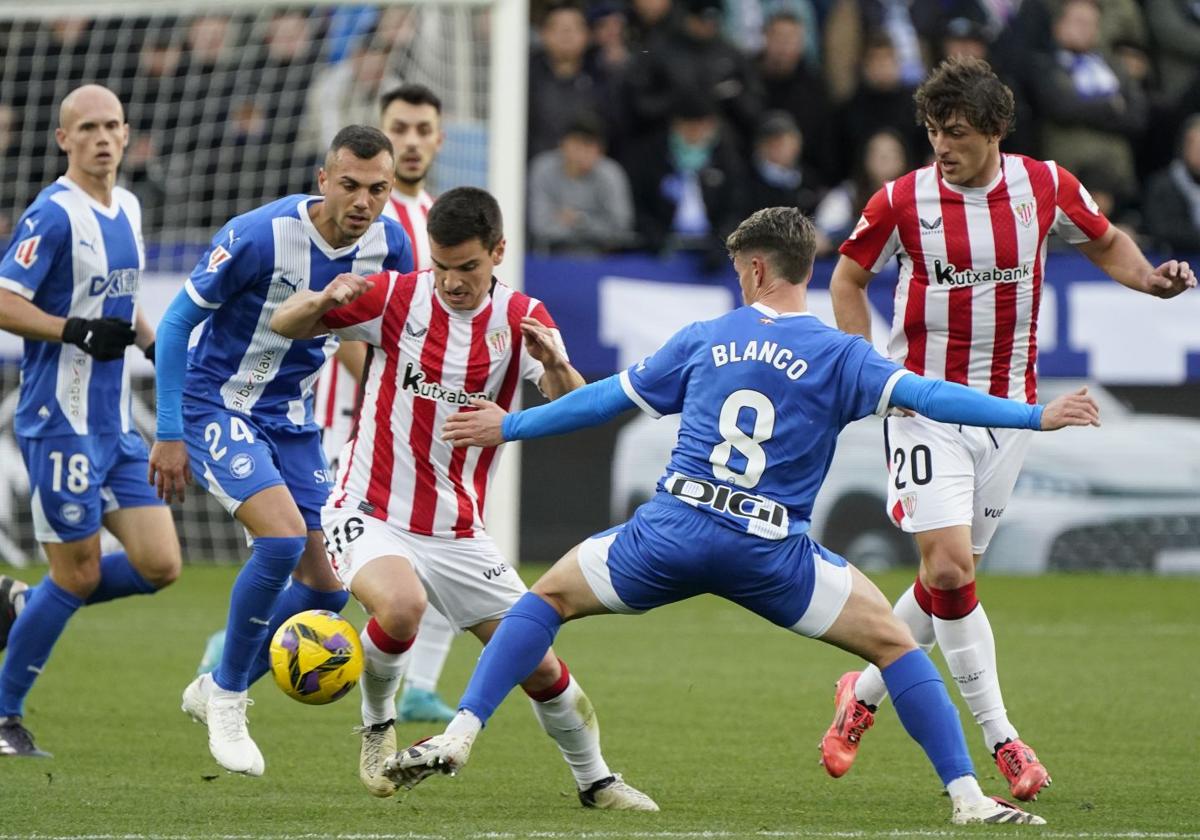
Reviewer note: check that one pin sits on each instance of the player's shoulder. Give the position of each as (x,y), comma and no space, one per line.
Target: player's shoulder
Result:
(505,296)
(46,214)
(391,227)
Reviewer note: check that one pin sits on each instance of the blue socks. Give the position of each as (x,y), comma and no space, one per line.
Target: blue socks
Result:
(48,609)
(118,578)
(251,605)
(515,650)
(295,598)
(924,707)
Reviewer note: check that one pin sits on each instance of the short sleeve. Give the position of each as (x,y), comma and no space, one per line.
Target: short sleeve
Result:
(658,383)
(1077,218)
(866,382)
(400,249)
(230,264)
(875,238)
(39,237)
(362,318)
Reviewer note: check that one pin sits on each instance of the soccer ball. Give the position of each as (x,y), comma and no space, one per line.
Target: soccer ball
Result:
(316,657)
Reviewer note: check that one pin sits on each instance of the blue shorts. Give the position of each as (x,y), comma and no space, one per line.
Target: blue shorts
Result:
(670,551)
(75,479)
(234,456)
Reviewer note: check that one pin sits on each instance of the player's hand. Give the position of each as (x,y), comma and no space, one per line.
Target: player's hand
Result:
(105,339)
(542,343)
(169,469)
(1077,409)
(1171,278)
(345,288)
(480,427)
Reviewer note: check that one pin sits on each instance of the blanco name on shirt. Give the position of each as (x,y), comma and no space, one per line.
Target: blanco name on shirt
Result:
(767,352)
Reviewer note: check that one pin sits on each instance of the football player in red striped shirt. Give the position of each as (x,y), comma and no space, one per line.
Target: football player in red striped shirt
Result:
(969,231)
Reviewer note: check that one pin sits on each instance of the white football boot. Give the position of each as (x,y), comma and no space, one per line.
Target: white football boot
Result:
(228,739)
(440,754)
(991,809)
(195,698)
(615,794)
(378,745)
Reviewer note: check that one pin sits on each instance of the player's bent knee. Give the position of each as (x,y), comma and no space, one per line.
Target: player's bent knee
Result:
(546,674)
(80,579)
(399,615)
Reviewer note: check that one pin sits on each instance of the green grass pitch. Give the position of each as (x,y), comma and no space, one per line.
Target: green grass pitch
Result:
(710,710)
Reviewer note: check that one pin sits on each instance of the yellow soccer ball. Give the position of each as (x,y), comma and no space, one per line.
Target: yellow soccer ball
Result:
(316,657)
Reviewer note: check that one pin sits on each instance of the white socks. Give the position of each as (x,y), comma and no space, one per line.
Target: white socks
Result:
(970,651)
(571,721)
(380,680)
(430,650)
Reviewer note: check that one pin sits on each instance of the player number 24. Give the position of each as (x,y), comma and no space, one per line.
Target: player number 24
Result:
(749,445)
(238,430)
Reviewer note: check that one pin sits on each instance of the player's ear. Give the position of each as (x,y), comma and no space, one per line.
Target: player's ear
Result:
(498,251)
(322,179)
(60,137)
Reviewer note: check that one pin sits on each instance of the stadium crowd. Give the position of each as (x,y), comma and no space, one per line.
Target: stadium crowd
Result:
(653,124)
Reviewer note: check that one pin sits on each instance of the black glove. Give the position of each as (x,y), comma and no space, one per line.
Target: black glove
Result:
(149,352)
(103,338)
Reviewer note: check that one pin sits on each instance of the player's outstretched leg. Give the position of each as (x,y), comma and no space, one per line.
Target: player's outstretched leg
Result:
(858,694)
(420,701)
(385,660)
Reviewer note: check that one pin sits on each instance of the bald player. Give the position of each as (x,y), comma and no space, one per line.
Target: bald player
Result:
(68,286)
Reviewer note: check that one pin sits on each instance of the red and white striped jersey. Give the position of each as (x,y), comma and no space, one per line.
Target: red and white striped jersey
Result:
(426,361)
(971,267)
(412,213)
(337,390)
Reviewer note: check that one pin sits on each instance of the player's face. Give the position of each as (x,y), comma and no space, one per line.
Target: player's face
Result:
(464,272)
(355,192)
(416,135)
(965,155)
(94,134)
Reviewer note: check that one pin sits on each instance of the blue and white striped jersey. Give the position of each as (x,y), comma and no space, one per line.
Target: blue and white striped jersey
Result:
(257,261)
(73,257)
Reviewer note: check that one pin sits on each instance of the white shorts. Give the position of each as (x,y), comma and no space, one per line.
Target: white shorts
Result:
(466,580)
(941,475)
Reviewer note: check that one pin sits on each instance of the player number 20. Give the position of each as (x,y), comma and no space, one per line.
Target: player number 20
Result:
(238,430)
(77,472)
(920,462)
(749,445)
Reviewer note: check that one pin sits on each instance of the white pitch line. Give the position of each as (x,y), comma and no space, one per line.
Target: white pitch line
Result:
(894,834)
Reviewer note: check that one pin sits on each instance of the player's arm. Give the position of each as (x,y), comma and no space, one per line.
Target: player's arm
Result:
(543,343)
(300,315)
(103,338)
(353,357)
(490,425)
(848,288)
(949,402)
(21,317)
(1118,256)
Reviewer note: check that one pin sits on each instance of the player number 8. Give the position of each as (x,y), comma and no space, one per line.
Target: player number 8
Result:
(238,430)
(734,438)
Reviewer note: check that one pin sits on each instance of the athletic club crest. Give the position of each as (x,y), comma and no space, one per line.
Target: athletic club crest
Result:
(909,502)
(498,341)
(1024,213)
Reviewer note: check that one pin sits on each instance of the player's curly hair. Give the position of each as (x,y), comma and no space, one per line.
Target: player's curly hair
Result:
(786,236)
(463,214)
(967,87)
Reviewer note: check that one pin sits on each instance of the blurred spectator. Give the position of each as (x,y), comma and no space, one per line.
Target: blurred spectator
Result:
(881,101)
(1172,200)
(651,24)
(609,43)
(790,84)
(579,200)
(687,182)
(697,58)
(346,93)
(1175,26)
(883,159)
(12,195)
(561,83)
(1089,108)
(778,177)
(1120,20)
(912,26)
